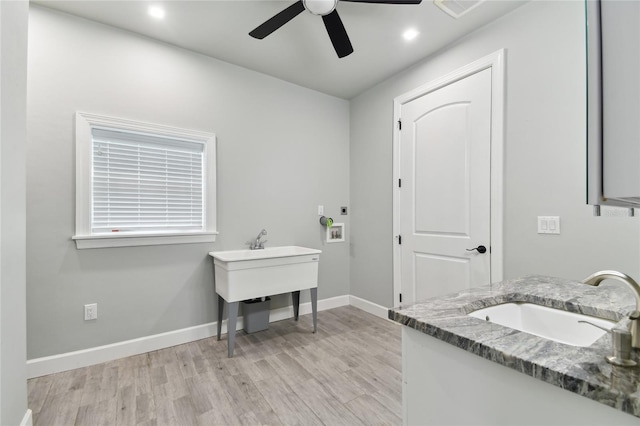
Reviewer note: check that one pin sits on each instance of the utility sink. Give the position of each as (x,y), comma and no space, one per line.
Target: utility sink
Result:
(549,323)
(250,274)
(247,274)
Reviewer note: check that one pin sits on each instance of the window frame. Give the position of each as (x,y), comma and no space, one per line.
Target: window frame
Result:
(84,236)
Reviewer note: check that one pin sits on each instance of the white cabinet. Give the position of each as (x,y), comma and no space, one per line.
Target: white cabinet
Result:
(613,56)
(446,385)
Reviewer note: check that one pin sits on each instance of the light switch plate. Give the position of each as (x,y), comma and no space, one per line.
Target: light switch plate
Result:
(548,224)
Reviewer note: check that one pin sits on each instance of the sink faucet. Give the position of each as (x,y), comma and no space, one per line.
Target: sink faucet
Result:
(598,277)
(258,244)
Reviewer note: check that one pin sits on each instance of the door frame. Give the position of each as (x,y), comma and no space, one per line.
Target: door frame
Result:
(495,61)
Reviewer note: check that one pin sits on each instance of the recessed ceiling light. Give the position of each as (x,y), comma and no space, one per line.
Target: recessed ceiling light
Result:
(156,12)
(410,34)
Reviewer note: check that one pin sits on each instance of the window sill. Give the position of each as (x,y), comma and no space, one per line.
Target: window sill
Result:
(124,240)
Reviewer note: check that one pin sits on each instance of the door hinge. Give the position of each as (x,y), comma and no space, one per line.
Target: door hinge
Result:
(400,297)
(399,124)
(399,183)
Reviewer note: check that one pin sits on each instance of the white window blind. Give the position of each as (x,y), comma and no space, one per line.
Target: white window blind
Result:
(145,183)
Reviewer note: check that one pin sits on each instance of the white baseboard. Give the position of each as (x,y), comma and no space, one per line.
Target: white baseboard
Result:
(27,420)
(370,307)
(86,357)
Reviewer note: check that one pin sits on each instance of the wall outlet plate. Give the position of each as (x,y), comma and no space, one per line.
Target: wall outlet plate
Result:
(90,311)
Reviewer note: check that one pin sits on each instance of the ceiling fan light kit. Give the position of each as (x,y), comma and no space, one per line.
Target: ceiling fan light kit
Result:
(320,7)
(332,22)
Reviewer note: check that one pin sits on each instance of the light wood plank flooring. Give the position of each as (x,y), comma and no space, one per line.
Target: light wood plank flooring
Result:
(349,373)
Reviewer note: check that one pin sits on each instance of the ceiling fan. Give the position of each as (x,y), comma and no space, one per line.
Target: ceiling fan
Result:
(332,21)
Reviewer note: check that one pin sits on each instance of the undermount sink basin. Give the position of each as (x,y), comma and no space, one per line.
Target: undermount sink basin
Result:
(553,324)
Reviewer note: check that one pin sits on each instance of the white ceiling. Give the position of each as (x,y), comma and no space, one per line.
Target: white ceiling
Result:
(300,51)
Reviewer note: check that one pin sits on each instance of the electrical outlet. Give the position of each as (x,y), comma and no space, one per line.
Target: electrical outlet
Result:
(90,311)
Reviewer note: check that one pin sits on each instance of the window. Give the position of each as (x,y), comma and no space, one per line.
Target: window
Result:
(142,184)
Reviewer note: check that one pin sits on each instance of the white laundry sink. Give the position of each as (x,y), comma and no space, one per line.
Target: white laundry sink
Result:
(247,274)
(554,324)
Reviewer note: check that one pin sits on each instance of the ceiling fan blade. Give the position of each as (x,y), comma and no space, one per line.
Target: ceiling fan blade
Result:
(337,34)
(278,20)
(387,1)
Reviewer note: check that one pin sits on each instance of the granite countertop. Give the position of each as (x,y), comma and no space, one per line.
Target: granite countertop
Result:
(582,370)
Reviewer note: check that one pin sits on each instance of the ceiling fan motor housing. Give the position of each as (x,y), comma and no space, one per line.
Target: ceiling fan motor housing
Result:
(320,7)
(332,22)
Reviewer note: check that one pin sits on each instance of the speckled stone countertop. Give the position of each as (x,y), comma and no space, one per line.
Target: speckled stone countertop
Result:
(582,370)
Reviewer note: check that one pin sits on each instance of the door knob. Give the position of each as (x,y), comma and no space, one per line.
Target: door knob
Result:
(481,249)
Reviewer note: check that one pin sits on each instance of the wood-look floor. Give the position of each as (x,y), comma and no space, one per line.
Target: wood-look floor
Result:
(348,373)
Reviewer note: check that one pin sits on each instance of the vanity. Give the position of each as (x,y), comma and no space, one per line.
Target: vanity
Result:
(464,369)
(250,274)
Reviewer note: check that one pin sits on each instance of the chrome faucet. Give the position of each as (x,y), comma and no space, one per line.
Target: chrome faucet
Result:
(634,326)
(258,244)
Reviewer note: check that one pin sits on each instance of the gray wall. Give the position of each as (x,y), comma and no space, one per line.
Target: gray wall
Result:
(544,154)
(13,136)
(276,163)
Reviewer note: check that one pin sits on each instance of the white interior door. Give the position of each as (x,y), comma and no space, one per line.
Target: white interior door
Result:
(445,193)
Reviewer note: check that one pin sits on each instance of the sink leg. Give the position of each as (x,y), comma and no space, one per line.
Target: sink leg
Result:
(220,309)
(314,307)
(231,326)
(295,296)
